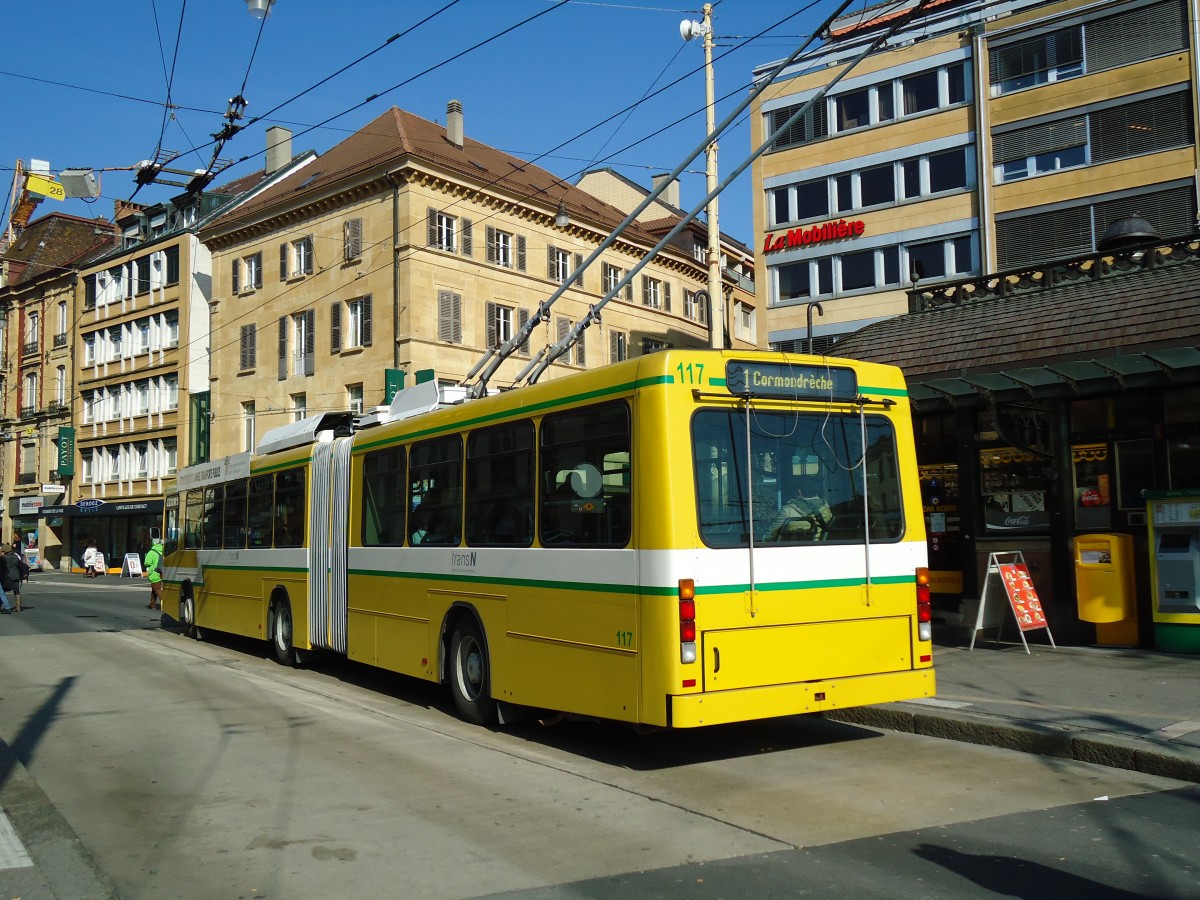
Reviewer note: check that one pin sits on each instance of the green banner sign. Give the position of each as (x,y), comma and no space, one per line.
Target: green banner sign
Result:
(66,451)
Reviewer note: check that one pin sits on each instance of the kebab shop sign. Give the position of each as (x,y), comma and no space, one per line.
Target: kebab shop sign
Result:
(814,234)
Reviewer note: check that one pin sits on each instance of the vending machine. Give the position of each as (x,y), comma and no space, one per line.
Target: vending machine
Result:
(1173,518)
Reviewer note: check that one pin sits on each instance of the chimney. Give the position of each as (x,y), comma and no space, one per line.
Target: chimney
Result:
(279,148)
(671,194)
(454,123)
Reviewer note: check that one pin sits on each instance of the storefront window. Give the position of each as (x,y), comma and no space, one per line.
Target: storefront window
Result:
(1135,472)
(1093,495)
(1015,485)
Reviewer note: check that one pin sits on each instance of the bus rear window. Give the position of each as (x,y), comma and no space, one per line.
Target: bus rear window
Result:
(803,478)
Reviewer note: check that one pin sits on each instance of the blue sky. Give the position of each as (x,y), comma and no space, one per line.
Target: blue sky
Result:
(541,85)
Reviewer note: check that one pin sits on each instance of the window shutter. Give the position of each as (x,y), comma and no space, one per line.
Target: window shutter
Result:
(467,237)
(1145,126)
(237,276)
(1143,32)
(431,227)
(550,263)
(353,239)
(614,346)
(283,261)
(629,290)
(310,330)
(283,330)
(645,290)
(491,244)
(308,255)
(489,315)
(247,358)
(1044,138)
(335,327)
(449,317)
(564,325)
(366,321)
(521,252)
(666,296)
(522,321)
(578,268)
(258,269)
(580,347)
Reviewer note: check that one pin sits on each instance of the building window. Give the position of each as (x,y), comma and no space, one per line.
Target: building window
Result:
(142,398)
(505,249)
(247,273)
(618,346)
(610,275)
(29,397)
(448,233)
(355,330)
(352,239)
(1141,33)
(499,325)
(249,348)
(303,343)
(296,258)
(299,407)
(32,333)
(86,466)
(1146,125)
(62,325)
(558,264)
(171,383)
(171,455)
(449,317)
(745,322)
(248,414)
(60,386)
(354,398)
(811,126)
(653,345)
(652,292)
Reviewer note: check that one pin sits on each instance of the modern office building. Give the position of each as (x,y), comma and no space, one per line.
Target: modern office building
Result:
(980,137)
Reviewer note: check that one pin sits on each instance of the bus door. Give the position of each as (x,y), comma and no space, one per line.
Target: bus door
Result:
(328,529)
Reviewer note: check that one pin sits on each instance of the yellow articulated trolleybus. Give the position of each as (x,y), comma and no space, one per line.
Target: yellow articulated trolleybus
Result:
(682,539)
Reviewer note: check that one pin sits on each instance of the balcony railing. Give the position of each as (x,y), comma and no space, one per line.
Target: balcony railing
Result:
(27,478)
(28,412)
(29,348)
(60,340)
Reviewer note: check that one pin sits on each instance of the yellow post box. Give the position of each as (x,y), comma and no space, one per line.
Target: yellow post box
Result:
(1104,587)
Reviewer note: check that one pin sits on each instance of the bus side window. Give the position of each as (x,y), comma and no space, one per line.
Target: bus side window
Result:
(260,510)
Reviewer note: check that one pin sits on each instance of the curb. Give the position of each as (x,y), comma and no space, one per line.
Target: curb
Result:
(1115,751)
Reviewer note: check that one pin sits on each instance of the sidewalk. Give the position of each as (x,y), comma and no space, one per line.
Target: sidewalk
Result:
(1131,709)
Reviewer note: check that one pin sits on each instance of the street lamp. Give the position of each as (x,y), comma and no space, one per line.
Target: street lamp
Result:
(820,310)
(259,9)
(689,29)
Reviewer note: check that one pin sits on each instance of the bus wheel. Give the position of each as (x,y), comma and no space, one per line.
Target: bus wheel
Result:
(281,634)
(470,680)
(187,616)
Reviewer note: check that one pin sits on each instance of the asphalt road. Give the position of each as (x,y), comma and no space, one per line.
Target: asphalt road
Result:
(206,770)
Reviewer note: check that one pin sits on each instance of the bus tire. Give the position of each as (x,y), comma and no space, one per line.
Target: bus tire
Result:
(470,673)
(281,634)
(187,614)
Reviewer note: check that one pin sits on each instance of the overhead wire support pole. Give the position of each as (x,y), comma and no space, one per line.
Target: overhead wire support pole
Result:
(548,355)
(495,356)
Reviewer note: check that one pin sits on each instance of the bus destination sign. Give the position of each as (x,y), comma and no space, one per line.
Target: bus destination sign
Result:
(790,381)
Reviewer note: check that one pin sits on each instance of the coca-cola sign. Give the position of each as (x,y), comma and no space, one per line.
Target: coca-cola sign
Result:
(814,234)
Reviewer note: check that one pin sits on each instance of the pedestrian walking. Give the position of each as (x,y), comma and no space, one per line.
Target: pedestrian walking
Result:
(7,585)
(153,561)
(15,570)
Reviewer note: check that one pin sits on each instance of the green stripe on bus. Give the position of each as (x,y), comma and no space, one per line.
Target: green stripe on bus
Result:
(646,589)
(525,410)
(885,392)
(302,570)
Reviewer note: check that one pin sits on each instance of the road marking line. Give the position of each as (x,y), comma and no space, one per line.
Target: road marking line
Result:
(935,701)
(12,851)
(1179,729)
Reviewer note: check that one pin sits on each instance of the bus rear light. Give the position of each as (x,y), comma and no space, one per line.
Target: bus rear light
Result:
(687,620)
(926,658)
(924,607)
(689,682)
